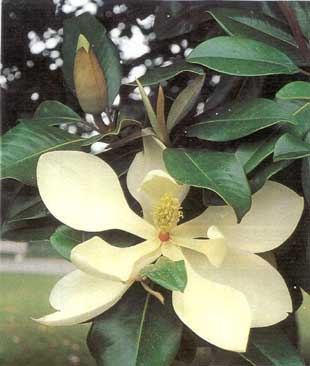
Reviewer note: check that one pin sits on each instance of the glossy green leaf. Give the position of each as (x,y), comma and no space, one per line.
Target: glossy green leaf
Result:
(302,13)
(102,46)
(64,239)
(149,109)
(263,173)
(303,326)
(163,73)
(23,145)
(218,171)
(295,90)
(254,25)
(167,273)
(137,331)
(30,209)
(270,347)
(305,174)
(290,147)
(241,120)
(251,154)
(241,56)
(184,102)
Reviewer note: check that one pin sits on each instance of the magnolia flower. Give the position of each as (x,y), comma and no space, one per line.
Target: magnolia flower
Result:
(229,289)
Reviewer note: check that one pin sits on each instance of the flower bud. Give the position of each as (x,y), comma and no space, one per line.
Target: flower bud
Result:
(89,80)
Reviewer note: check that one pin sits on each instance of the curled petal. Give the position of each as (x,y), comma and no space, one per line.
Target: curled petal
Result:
(79,297)
(83,192)
(217,313)
(260,282)
(273,217)
(98,258)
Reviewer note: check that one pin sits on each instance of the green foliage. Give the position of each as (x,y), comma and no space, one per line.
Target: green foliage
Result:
(241,120)
(218,171)
(170,275)
(290,147)
(64,239)
(148,336)
(241,56)
(158,74)
(102,46)
(295,90)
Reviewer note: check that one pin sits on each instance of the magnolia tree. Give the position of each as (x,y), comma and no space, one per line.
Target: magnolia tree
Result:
(175,227)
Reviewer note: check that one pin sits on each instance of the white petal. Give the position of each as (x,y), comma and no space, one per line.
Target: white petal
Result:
(150,159)
(172,251)
(98,258)
(214,249)
(195,228)
(78,297)
(261,283)
(83,192)
(219,314)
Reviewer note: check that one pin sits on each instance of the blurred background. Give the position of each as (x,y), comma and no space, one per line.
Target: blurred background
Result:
(148,34)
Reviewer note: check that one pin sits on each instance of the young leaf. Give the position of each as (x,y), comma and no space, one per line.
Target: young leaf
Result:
(102,47)
(271,347)
(241,120)
(167,273)
(163,73)
(149,110)
(295,90)
(218,171)
(137,331)
(290,147)
(64,239)
(241,56)
(160,112)
(184,102)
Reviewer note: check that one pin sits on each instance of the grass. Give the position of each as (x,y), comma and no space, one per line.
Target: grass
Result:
(25,342)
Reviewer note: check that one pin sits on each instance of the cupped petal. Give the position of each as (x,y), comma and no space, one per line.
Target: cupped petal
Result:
(214,249)
(217,313)
(98,258)
(262,285)
(79,297)
(83,192)
(150,159)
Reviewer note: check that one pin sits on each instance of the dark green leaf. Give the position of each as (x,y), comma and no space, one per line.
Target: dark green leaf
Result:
(302,13)
(158,74)
(23,145)
(218,171)
(262,174)
(241,120)
(271,347)
(295,90)
(305,175)
(251,154)
(137,331)
(102,46)
(167,273)
(241,56)
(30,233)
(254,25)
(290,147)
(64,239)
(184,102)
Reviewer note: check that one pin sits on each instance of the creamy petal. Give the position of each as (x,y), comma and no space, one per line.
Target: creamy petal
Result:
(79,297)
(260,282)
(83,192)
(219,314)
(150,159)
(98,258)
(172,251)
(214,249)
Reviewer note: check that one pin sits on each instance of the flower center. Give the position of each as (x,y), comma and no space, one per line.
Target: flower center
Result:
(167,213)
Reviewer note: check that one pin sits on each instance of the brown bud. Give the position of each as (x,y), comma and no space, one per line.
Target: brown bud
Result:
(89,80)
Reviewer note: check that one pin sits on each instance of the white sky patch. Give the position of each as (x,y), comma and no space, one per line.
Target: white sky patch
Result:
(34,97)
(146,23)
(175,48)
(215,79)
(187,51)
(117,100)
(133,47)
(99,147)
(135,95)
(136,72)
